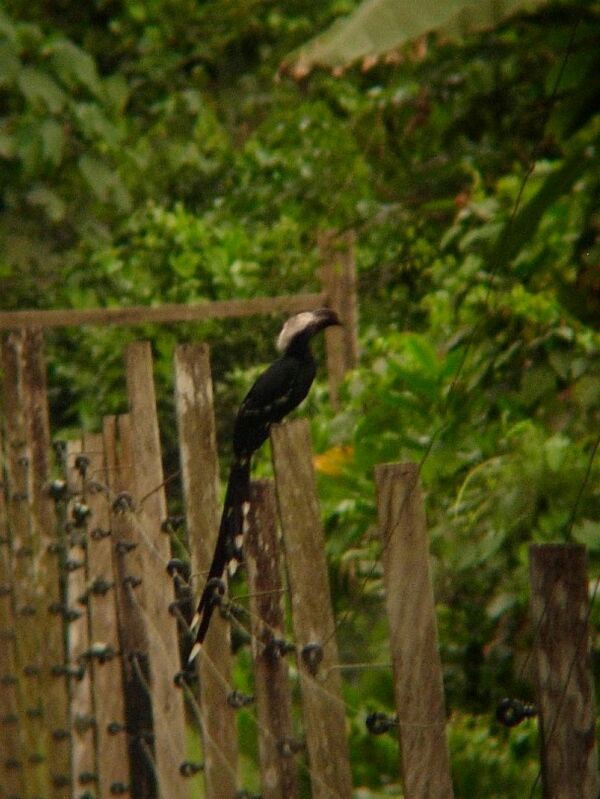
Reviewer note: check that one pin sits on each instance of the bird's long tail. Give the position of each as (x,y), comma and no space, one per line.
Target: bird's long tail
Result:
(228,547)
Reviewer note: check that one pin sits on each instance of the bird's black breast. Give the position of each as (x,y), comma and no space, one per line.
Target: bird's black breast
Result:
(279,390)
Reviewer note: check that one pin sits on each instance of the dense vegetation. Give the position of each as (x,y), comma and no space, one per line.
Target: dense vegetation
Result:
(149,155)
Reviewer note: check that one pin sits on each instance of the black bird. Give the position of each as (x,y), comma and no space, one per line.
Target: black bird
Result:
(277,391)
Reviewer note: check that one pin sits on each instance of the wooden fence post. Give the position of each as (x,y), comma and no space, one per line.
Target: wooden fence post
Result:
(200,473)
(105,660)
(163,646)
(273,698)
(322,704)
(128,568)
(338,278)
(12,754)
(84,766)
(26,553)
(560,612)
(55,692)
(418,684)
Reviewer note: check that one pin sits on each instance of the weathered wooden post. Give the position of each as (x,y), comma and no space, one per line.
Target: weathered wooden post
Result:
(12,754)
(418,684)
(83,722)
(104,656)
(155,548)
(128,568)
(263,560)
(338,278)
(322,704)
(200,472)
(55,695)
(30,557)
(560,612)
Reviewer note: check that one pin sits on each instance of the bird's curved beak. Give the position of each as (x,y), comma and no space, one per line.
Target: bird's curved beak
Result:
(326,317)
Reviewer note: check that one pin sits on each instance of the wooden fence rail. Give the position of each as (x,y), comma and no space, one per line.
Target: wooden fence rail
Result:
(96,697)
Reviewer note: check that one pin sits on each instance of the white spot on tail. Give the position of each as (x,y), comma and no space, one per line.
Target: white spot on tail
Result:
(195,620)
(238,541)
(232,567)
(195,649)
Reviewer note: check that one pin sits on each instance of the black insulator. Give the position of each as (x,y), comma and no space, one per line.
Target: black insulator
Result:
(115,727)
(61,781)
(83,722)
(511,712)
(171,524)
(119,788)
(185,677)
(61,735)
(71,615)
(79,513)
(5,590)
(188,768)
(278,647)
(312,655)
(9,719)
(123,547)
(12,764)
(379,723)
(58,489)
(8,679)
(97,534)
(60,448)
(176,566)
(81,464)
(123,502)
(72,565)
(288,747)
(131,582)
(34,712)
(87,777)
(27,610)
(31,671)
(237,700)
(100,586)
(215,591)
(103,653)
(66,670)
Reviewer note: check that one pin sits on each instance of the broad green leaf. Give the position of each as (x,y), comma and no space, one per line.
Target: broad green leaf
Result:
(9,62)
(104,182)
(556,449)
(588,533)
(7,28)
(37,86)
(519,229)
(423,354)
(49,201)
(380,26)
(75,67)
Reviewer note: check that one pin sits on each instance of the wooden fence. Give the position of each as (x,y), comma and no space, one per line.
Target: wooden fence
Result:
(95,598)
(94,605)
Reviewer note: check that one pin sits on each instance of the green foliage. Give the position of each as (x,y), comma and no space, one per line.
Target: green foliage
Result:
(148,156)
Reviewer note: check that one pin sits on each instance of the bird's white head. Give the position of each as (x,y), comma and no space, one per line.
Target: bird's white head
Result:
(306,323)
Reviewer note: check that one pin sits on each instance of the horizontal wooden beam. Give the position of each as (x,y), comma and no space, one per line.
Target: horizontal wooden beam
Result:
(143,314)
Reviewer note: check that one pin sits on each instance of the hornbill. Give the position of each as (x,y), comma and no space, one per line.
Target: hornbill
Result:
(277,391)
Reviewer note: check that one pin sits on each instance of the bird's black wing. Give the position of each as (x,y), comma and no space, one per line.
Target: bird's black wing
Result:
(276,392)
